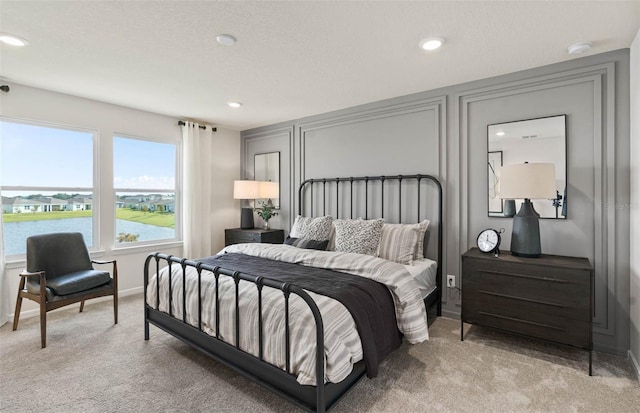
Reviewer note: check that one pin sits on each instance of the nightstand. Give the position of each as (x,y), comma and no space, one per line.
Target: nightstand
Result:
(267,236)
(549,298)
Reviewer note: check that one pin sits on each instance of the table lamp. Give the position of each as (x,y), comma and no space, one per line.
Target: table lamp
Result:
(246,190)
(527,181)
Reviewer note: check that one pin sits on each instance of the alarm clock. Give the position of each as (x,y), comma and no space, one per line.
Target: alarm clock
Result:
(489,241)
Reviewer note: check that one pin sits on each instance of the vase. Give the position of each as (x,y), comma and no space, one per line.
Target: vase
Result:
(509,208)
(266,225)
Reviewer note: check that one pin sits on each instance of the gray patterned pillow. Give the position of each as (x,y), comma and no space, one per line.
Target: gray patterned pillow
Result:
(358,236)
(317,229)
(399,242)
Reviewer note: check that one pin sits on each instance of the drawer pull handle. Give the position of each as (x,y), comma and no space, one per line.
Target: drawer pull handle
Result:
(531,300)
(522,321)
(512,274)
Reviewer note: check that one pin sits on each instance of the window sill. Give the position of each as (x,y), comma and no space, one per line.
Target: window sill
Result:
(146,247)
(21,262)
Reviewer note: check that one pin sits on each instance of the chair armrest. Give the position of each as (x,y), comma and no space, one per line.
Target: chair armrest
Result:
(28,274)
(114,272)
(43,280)
(103,262)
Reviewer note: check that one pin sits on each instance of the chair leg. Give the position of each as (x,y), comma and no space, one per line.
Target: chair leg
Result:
(16,315)
(81,305)
(115,308)
(43,324)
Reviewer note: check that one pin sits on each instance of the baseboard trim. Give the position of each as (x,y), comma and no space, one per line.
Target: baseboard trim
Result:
(36,312)
(636,365)
(622,352)
(451,314)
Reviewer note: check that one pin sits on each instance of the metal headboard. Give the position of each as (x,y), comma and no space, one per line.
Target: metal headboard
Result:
(336,198)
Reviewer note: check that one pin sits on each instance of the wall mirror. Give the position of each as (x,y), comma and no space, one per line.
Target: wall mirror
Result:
(267,168)
(541,140)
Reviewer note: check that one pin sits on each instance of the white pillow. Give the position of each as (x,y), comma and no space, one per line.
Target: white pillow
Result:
(317,229)
(358,236)
(422,230)
(399,242)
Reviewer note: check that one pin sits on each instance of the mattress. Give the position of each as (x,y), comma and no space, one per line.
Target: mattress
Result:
(424,274)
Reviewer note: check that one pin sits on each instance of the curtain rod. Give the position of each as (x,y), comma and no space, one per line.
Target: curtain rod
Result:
(182,123)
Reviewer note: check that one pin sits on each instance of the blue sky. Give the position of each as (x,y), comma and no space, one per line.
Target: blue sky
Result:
(143,164)
(44,156)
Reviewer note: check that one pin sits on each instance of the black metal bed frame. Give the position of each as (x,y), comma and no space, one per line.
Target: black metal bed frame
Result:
(436,295)
(319,398)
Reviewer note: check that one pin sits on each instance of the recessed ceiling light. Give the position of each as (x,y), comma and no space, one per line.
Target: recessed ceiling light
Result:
(13,40)
(579,48)
(500,134)
(432,43)
(234,105)
(226,39)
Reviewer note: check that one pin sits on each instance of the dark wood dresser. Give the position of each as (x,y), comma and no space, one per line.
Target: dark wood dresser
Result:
(239,236)
(550,297)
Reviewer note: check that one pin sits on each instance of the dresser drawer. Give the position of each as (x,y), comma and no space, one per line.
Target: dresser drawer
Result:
(564,287)
(540,311)
(240,237)
(563,331)
(541,272)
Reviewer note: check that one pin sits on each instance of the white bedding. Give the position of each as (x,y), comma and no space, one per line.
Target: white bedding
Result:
(342,344)
(424,274)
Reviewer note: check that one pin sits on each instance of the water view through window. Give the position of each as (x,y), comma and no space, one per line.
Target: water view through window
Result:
(16,233)
(47,180)
(145,191)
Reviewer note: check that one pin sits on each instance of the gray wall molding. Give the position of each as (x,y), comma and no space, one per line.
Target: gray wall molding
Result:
(604,161)
(593,88)
(437,104)
(246,164)
(272,140)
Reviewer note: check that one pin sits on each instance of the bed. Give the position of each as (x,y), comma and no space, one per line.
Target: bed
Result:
(261,309)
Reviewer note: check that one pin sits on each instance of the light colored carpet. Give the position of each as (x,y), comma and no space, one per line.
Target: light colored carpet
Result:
(90,365)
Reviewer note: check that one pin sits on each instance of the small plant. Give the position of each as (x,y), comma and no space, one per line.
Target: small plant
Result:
(266,211)
(126,237)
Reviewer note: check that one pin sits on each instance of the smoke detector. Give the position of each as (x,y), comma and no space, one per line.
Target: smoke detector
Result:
(579,48)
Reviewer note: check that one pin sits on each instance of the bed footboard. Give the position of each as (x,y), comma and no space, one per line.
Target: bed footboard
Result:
(318,398)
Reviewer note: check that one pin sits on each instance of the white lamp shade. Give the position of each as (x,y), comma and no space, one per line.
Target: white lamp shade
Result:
(246,189)
(269,189)
(528,181)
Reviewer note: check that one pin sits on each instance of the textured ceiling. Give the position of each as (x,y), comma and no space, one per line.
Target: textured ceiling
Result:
(292,59)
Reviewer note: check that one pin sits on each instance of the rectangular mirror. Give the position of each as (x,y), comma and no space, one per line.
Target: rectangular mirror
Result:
(541,140)
(267,168)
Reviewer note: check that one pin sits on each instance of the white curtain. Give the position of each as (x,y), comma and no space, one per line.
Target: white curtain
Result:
(197,192)
(4,282)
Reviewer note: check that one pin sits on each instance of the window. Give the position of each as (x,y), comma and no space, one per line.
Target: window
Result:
(145,190)
(46,181)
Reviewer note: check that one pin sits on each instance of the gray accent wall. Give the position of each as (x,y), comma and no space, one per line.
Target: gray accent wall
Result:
(443,132)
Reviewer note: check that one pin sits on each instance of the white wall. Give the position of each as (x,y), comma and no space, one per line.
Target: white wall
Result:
(27,103)
(635,205)
(226,169)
